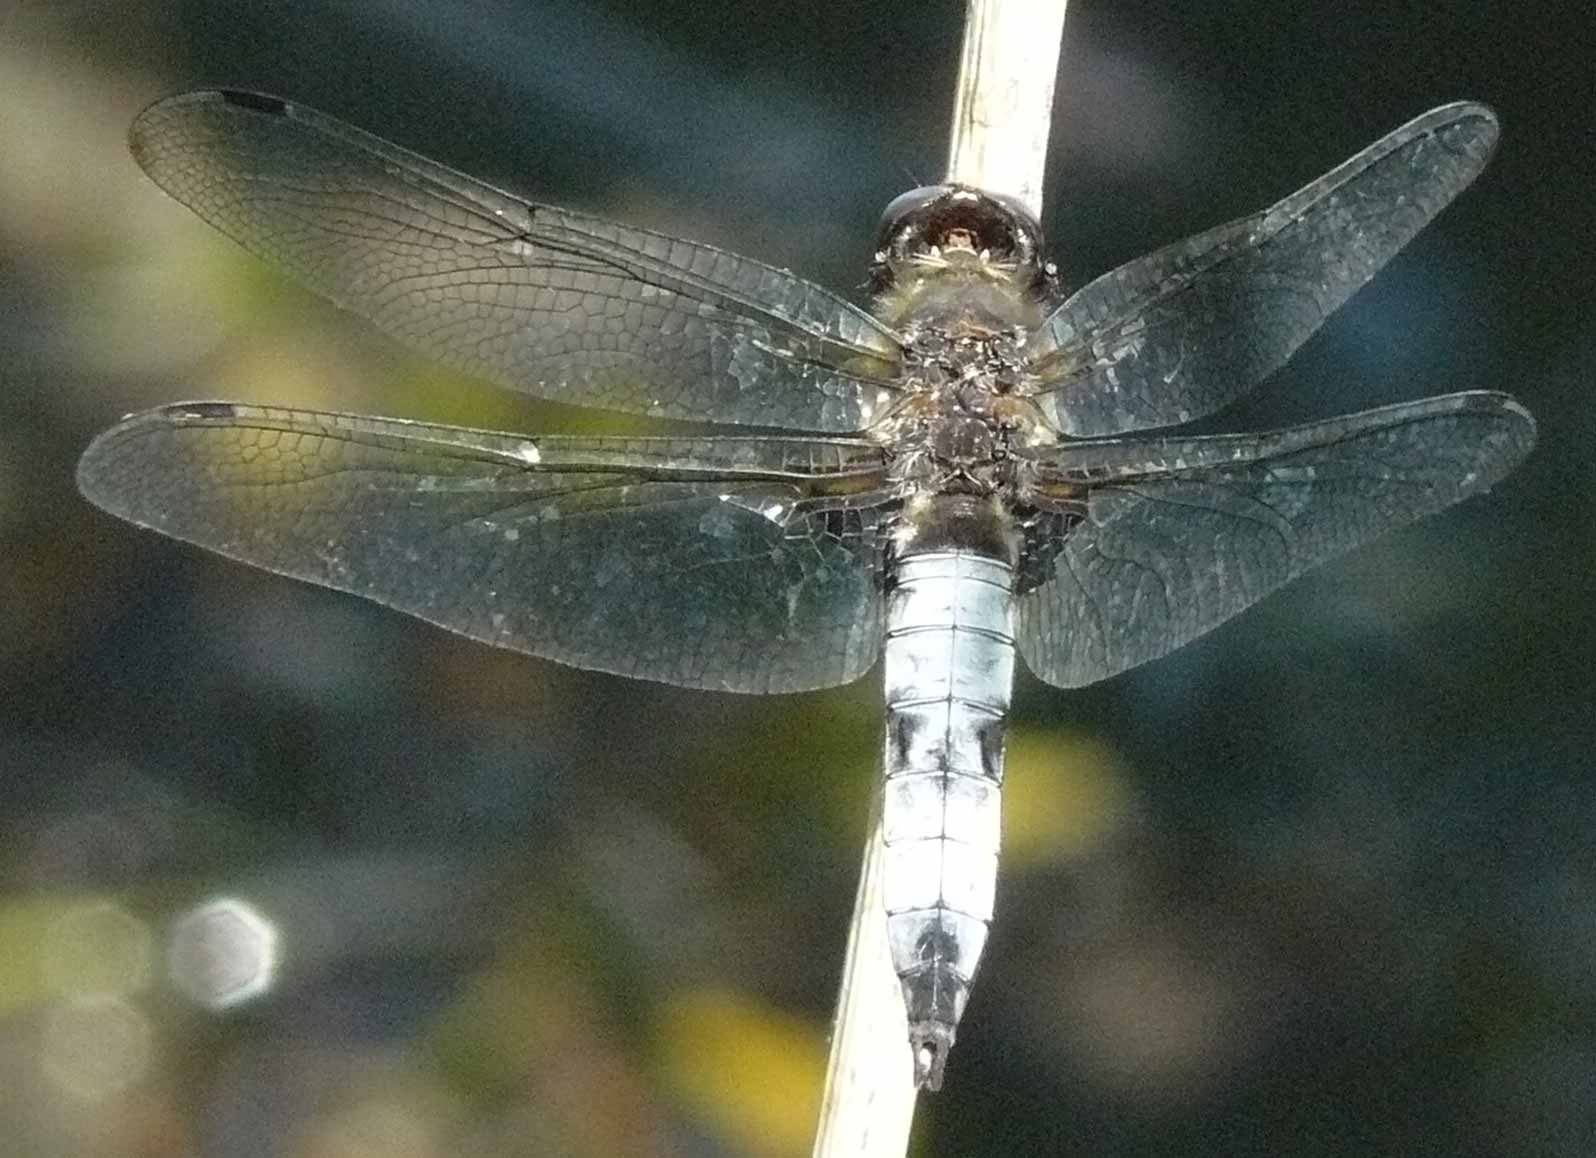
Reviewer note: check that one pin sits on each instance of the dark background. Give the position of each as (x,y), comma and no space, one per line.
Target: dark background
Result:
(1319,884)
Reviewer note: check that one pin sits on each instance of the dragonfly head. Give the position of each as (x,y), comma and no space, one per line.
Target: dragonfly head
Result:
(955,227)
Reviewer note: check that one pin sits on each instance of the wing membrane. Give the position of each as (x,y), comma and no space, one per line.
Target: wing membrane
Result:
(1180,534)
(556,304)
(739,564)
(1190,328)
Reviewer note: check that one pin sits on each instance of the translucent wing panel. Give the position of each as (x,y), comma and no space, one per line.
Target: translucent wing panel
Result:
(1178,535)
(745,565)
(1186,330)
(553,303)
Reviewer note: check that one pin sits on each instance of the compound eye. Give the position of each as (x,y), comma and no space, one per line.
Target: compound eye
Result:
(962,217)
(906,205)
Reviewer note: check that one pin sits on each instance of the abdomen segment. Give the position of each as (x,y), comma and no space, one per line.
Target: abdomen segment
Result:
(949,665)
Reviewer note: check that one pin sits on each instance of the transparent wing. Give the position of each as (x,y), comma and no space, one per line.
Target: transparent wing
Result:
(1186,330)
(739,564)
(549,302)
(1177,535)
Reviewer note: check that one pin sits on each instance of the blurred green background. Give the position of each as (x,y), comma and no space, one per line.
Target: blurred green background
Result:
(1320,884)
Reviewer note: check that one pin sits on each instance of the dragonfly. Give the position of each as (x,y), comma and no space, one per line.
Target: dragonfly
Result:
(973,464)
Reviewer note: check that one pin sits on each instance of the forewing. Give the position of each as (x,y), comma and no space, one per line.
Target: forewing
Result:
(1180,534)
(1192,327)
(739,564)
(556,304)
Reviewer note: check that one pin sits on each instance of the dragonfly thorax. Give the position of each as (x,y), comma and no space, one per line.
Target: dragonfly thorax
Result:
(957,275)
(959,422)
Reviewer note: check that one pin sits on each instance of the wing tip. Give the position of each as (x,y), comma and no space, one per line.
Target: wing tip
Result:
(1500,404)
(1463,110)
(257,102)
(1513,430)
(140,133)
(242,97)
(90,475)
(1524,432)
(1451,114)
(90,471)
(177,411)
(1487,125)
(1507,434)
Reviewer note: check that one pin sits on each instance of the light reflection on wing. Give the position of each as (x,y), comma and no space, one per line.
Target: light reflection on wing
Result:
(739,564)
(1190,328)
(1180,534)
(553,303)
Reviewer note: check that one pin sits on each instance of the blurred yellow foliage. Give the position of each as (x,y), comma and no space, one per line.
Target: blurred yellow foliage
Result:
(753,1073)
(1063,793)
(24,923)
(69,944)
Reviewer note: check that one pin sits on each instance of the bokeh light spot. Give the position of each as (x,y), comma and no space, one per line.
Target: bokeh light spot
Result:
(96,1046)
(96,948)
(223,953)
(375,1129)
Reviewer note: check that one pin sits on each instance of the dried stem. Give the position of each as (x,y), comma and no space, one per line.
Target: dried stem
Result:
(1002,115)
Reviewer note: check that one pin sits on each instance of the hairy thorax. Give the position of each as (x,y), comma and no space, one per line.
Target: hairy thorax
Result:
(961,413)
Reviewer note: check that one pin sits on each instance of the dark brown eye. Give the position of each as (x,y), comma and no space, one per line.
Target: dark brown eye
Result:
(905,204)
(954,216)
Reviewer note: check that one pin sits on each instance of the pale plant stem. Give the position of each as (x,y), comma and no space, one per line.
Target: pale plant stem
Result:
(1002,115)
(1003,109)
